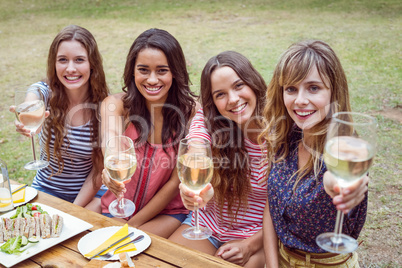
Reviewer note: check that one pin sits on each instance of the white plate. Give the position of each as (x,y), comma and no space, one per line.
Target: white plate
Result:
(71,227)
(30,194)
(92,240)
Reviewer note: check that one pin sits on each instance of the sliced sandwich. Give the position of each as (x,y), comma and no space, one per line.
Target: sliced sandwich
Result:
(1,231)
(24,227)
(45,225)
(7,228)
(16,227)
(31,227)
(57,225)
(37,232)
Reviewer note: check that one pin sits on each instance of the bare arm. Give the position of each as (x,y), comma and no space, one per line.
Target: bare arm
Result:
(158,201)
(112,124)
(88,191)
(270,239)
(112,118)
(240,251)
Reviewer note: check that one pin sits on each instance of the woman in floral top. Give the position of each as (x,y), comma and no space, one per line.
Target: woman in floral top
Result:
(308,86)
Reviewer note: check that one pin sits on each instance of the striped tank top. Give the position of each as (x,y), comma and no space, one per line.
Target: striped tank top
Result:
(248,222)
(76,152)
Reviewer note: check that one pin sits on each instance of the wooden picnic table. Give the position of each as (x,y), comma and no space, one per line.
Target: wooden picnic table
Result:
(161,252)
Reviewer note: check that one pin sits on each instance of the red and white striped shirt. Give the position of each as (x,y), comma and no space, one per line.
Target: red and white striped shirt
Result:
(250,221)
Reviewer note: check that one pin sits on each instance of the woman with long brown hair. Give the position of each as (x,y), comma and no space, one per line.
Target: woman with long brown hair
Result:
(154,111)
(69,138)
(308,86)
(232,95)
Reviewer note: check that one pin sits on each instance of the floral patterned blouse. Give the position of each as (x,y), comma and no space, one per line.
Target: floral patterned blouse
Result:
(299,217)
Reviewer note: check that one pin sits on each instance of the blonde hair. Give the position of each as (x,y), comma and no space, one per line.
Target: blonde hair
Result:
(292,68)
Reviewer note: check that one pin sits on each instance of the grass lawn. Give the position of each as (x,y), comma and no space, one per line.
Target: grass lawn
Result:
(365,34)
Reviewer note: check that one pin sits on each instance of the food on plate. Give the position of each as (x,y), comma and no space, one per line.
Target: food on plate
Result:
(6,230)
(41,226)
(16,245)
(57,225)
(37,226)
(45,225)
(28,210)
(1,231)
(125,260)
(30,221)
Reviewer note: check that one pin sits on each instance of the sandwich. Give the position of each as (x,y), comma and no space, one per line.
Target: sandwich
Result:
(57,225)
(24,227)
(7,228)
(40,226)
(37,232)
(16,227)
(45,225)
(29,230)
(1,231)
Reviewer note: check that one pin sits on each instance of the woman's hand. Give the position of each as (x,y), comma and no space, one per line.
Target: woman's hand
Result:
(20,128)
(351,196)
(189,197)
(235,251)
(116,187)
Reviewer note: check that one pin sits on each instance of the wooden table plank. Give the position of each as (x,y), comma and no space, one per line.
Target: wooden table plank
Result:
(140,261)
(182,256)
(59,256)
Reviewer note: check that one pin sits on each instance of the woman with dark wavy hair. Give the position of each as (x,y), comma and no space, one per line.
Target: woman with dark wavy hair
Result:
(232,93)
(74,88)
(154,112)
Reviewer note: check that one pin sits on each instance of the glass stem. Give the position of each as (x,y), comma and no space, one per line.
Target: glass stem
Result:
(339,222)
(33,145)
(121,202)
(197,224)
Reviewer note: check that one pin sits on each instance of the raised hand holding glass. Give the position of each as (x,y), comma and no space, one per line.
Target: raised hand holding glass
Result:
(348,155)
(120,163)
(30,111)
(195,169)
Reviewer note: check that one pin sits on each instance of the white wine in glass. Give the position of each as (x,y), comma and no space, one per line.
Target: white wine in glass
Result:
(348,155)
(120,163)
(195,169)
(30,111)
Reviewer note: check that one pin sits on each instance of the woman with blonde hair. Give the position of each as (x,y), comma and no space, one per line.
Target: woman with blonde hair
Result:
(69,138)
(308,86)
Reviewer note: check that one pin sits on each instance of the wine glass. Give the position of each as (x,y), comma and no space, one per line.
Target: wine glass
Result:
(349,151)
(120,163)
(30,111)
(195,168)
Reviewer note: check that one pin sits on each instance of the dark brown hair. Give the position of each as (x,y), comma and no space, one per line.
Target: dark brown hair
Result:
(179,105)
(230,183)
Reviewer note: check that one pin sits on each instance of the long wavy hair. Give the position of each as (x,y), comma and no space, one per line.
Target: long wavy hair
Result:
(293,67)
(231,183)
(180,102)
(97,91)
